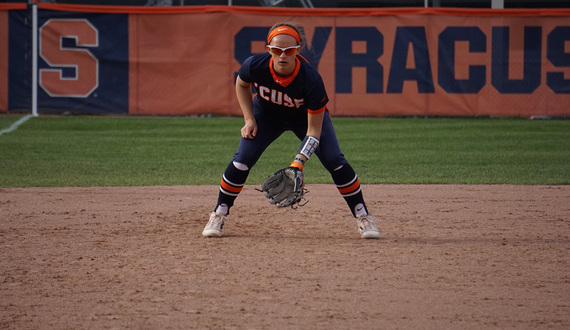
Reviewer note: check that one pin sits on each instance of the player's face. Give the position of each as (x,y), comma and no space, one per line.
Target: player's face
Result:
(283,64)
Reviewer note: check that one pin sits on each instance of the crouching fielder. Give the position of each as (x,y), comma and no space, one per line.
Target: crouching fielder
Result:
(290,96)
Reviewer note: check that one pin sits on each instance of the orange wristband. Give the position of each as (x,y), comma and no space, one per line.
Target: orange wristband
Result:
(248,117)
(297,164)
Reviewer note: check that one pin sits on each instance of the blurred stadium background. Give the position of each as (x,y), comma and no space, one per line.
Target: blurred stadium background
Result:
(328,3)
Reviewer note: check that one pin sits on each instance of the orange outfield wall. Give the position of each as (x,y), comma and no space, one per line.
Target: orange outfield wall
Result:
(375,62)
(185,63)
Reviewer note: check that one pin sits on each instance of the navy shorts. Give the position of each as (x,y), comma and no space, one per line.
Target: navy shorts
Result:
(270,128)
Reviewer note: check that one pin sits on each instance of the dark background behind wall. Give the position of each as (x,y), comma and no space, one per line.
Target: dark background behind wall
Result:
(327,3)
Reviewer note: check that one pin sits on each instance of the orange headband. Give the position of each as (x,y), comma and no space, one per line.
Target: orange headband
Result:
(284,30)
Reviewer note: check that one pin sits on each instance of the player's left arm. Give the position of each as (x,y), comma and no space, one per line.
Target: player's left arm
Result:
(311,141)
(315,122)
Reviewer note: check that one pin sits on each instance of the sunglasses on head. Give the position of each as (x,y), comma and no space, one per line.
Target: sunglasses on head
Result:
(278,50)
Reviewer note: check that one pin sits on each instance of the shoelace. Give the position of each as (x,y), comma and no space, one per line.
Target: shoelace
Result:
(217,220)
(367,224)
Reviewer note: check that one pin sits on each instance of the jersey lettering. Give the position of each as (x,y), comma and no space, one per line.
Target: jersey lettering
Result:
(263,91)
(74,71)
(277,97)
(288,101)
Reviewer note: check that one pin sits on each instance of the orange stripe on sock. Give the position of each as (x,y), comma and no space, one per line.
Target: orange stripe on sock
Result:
(230,188)
(353,187)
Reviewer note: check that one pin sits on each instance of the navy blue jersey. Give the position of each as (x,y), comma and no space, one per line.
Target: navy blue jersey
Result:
(305,92)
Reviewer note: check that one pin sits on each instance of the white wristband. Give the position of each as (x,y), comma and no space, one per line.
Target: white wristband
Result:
(308,147)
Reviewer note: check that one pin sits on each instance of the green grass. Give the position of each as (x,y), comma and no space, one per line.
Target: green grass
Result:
(140,151)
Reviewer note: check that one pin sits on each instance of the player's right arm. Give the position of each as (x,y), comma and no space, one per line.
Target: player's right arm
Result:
(243,93)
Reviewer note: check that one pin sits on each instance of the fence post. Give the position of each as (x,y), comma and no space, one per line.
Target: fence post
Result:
(34,6)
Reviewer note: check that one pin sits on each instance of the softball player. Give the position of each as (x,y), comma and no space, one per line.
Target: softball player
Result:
(290,95)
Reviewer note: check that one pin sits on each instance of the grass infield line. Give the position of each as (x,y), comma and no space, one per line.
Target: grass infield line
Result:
(15,125)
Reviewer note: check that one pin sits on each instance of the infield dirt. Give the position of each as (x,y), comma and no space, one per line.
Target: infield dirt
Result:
(450,257)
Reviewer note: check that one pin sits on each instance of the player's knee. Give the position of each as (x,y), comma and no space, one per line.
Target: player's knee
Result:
(338,168)
(336,164)
(240,166)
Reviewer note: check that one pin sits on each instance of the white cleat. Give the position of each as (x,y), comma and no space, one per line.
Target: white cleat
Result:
(367,227)
(215,225)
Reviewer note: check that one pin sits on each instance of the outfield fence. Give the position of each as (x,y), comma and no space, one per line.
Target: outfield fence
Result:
(375,62)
